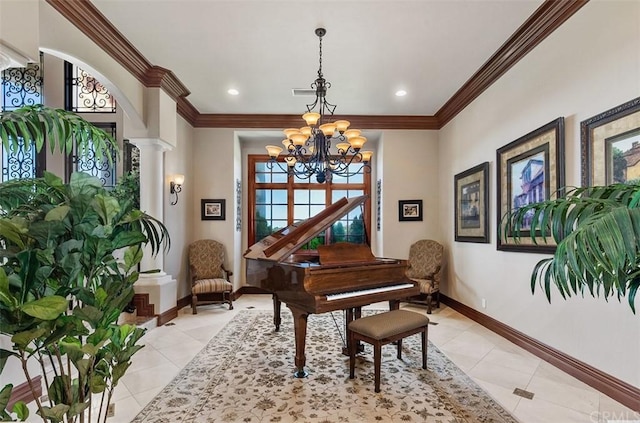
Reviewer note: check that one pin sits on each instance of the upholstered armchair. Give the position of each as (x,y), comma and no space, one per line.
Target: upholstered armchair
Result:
(425,265)
(210,283)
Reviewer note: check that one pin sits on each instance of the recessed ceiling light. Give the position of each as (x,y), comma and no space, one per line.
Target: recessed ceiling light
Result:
(401,93)
(233,91)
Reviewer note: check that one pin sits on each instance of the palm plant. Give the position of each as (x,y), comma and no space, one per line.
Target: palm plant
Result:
(597,232)
(68,262)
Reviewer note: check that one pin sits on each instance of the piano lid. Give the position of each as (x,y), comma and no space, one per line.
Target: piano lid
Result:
(280,245)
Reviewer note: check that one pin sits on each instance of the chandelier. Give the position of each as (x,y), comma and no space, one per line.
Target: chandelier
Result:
(308,150)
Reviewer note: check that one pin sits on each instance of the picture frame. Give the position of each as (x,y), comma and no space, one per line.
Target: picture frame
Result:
(609,141)
(212,209)
(530,169)
(471,211)
(410,210)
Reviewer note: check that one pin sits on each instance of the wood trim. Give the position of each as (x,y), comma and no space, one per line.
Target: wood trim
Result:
(187,111)
(23,392)
(143,306)
(250,290)
(615,388)
(167,316)
(184,302)
(88,19)
(163,78)
(287,121)
(546,19)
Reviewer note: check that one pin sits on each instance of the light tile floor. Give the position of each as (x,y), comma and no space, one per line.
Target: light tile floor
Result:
(496,364)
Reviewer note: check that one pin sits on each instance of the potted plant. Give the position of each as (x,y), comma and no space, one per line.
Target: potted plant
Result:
(68,262)
(597,232)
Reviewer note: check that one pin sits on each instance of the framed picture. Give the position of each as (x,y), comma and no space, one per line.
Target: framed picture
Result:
(472,204)
(212,209)
(610,145)
(410,210)
(530,170)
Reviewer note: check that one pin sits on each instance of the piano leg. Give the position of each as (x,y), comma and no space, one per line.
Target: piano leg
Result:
(350,315)
(300,327)
(276,312)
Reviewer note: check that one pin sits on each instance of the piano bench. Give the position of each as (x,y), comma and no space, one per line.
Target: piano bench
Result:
(382,329)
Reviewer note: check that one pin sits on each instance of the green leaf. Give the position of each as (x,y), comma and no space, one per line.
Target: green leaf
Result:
(21,410)
(6,297)
(58,213)
(22,339)
(47,308)
(55,413)
(4,355)
(5,395)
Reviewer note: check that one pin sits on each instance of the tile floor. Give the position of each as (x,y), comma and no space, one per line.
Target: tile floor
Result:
(496,364)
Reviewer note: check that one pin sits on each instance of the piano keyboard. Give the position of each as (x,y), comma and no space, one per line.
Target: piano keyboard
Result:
(361,292)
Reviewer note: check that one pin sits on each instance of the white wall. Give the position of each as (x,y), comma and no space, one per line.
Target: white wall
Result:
(587,66)
(409,162)
(178,218)
(213,168)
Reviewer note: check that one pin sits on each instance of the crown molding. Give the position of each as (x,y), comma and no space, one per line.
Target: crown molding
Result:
(546,19)
(84,15)
(157,76)
(294,121)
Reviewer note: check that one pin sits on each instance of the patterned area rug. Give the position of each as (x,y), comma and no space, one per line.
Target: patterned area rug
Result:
(245,374)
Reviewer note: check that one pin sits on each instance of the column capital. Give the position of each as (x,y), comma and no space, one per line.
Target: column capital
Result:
(157,143)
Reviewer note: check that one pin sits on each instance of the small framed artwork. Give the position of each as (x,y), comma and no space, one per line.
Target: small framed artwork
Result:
(212,209)
(410,210)
(610,145)
(529,170)
(472,204)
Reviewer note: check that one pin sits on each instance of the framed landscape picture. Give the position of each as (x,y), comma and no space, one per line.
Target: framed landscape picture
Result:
(212,209)
(610,145)
(410,210)
(530,170)
(472,204)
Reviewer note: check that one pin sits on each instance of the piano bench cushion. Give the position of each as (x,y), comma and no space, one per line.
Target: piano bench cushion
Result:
(203,286)
(426,286)
(388,324)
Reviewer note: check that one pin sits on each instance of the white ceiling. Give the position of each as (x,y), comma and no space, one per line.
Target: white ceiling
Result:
(265,48)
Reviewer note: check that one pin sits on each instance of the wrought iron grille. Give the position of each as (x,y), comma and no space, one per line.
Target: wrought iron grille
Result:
(131,157)
(86,160)
(85,94)
(22,87)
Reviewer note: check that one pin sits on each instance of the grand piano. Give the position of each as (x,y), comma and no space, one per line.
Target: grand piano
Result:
(341,276)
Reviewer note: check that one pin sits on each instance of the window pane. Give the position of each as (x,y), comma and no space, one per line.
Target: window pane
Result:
(21,87)
(86,160)
(86,94)
(279,196)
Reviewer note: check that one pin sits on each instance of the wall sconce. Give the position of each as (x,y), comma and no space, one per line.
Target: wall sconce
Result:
(176,187)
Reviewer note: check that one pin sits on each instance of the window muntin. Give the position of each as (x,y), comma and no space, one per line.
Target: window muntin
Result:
(276,201)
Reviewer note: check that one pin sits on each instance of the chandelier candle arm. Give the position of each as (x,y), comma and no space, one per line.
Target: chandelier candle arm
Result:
(307,151)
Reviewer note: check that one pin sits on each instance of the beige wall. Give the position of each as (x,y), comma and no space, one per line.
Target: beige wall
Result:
(578,72)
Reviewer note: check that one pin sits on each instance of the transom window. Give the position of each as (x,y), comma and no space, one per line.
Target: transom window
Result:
(84,93)
(277,200)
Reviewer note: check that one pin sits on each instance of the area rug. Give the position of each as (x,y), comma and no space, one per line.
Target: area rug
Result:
(245,374)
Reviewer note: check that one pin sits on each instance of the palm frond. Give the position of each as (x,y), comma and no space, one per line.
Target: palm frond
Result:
(32,123)
(597,232)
